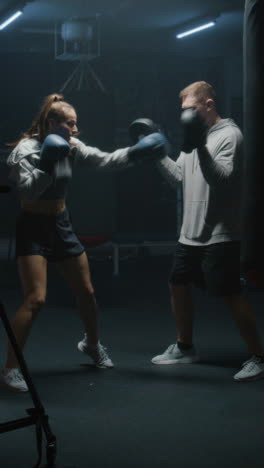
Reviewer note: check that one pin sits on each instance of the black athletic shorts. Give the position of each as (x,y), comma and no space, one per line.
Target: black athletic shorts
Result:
(50,236)
(215,267)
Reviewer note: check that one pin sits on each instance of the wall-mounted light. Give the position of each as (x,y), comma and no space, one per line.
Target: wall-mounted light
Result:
(12,17)
(200,24)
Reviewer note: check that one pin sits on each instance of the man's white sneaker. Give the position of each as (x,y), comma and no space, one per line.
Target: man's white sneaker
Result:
(13,379)
(96,352)
(174,355)
(252,369)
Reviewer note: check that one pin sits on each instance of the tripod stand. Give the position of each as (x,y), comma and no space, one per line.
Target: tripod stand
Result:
(37,415)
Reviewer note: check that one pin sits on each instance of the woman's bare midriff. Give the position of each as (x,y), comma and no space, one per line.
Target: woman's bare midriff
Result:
(48,207)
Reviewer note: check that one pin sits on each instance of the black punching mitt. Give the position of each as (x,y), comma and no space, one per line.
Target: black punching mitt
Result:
(141,128)
(194,130)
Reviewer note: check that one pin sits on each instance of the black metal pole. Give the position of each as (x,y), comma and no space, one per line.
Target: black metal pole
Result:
(37,415)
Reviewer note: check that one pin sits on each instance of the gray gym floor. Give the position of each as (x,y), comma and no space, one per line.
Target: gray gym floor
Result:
(137,414)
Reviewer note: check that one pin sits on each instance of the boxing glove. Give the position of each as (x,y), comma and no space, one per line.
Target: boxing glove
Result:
(151,146)
(54,149)
(194,130)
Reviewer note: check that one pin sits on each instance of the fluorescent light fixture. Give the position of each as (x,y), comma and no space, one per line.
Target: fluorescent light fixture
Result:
(195,30)
(10,19)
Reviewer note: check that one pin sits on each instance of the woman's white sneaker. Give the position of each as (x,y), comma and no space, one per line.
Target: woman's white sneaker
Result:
(13,379)
(96,352)
(174,355)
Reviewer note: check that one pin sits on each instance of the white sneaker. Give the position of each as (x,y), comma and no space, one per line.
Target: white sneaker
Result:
(96,352)
(13,379)
(175,355)
(252,369)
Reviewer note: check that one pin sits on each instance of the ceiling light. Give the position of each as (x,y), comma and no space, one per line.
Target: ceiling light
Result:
(195,30)
(10,19)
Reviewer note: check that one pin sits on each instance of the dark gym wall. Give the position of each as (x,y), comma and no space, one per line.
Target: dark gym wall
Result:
(135,201)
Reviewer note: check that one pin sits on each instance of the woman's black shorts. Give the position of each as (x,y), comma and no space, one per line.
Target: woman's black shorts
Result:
(50,236)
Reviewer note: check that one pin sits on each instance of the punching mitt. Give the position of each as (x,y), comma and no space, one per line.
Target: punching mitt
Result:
(141,128)
(194,130)
(54,149)
(152,146)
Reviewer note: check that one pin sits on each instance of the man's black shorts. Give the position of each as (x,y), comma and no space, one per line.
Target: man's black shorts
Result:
(215,267)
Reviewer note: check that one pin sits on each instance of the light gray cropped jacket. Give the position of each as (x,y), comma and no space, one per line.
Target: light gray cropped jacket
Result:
(33,183)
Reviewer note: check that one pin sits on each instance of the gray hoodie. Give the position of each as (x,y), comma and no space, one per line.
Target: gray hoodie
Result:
(211,183)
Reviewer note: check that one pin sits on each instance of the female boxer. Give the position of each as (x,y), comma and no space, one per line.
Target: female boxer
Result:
(41,168)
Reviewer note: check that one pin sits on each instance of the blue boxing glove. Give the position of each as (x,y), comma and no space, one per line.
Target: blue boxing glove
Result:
(152,146)
(194,130)
(54,149)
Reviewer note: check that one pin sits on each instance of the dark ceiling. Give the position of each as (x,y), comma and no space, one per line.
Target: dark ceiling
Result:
(128,25)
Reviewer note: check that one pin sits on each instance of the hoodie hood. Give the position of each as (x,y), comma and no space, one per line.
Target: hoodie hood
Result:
(222,123)
(26,147)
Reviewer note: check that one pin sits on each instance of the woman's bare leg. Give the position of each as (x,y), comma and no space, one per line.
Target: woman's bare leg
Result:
(33,276)
(77,272)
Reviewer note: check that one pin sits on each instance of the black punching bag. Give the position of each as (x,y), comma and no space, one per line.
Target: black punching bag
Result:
(253,183)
